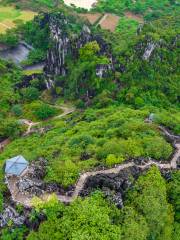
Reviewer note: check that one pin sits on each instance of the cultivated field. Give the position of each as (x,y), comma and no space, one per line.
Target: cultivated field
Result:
(91,17)
(137,17)
(9,16)
(109,22)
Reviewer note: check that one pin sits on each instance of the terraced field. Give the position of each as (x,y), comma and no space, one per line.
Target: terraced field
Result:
(9,16)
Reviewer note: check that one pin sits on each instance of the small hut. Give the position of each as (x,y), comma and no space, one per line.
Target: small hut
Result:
(15,166)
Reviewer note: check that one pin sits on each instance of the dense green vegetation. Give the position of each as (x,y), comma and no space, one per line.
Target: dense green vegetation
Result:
(140,77)
(107,128)
(151,188)
(10,38)
(98,137)
(151,9)
(19,103)
(135,79)
(9,76)
(82,77)
(35,5)
(96,218)
(127,26)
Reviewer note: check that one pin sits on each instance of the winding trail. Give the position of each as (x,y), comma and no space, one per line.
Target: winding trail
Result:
(173,164)
(30,124)
(66,111)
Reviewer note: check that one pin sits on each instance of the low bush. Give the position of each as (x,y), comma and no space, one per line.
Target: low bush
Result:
(44,111)
(30,93)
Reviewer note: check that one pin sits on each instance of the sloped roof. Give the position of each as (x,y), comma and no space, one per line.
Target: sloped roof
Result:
(16,165)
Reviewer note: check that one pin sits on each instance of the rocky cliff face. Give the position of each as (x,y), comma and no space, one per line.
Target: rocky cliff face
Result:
(63,45)
(114,186)
(65,41)
(10,214)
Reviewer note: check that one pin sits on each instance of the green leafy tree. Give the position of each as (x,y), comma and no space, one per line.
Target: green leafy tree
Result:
(84,219)
(174,192)
(13,234)
(10,38)
(44,111)
(149,198)
(17,110)
(82,78)
(10,128)
(30,93)
(134,225)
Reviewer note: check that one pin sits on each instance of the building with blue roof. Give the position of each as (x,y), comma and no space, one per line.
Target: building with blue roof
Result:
(16,165)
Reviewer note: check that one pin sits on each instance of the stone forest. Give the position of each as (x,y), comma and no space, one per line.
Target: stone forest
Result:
(89,120)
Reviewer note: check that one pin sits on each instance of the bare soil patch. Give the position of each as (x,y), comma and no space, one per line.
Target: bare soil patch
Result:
(91,17)
(109,22)
(136,17)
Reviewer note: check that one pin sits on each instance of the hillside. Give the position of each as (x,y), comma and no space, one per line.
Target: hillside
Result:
(95,113)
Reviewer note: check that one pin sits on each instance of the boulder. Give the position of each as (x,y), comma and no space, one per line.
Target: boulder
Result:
(10,215)
(114,186)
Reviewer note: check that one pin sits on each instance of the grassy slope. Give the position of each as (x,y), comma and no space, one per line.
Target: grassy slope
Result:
(9,16)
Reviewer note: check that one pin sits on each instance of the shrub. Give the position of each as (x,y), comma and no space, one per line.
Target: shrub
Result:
(17,110)
(82,140)
(58,90)
(139,102)
(112,159)
(10,39)
(157,147)
(92,218)
(44,111)
(103,100)
(13,234)
(30,93)
(80,104)
(10,129)
(35,56)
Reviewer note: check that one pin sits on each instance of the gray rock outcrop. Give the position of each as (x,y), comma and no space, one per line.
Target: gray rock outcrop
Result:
(11,215)
(66,42)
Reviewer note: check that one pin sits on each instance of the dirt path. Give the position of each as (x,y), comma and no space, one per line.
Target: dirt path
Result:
(176,156)
(26,201)
(102,19)
(168,134)
(66,111)
(3,144)
(4,25)
(83,178)
(17,196)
